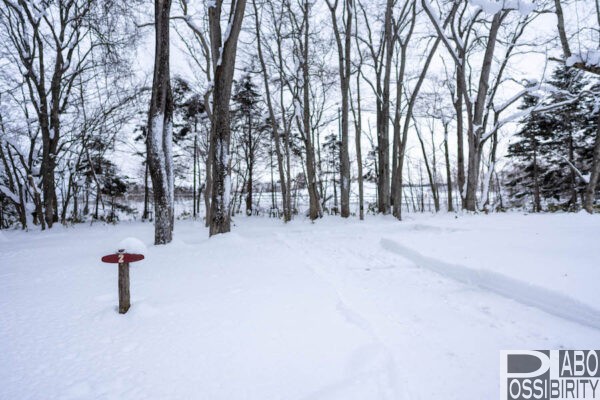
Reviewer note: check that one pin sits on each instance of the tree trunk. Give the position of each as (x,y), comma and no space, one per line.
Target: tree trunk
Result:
(476,128)
(590,189)
(160,141)
(208,180)
(86,207)
(460,154)
(48,183)
(311,172)
(146,194)
(344,64)
(250,171)
(448,169)
(357,136)
(76,204)
(537,203)
(383,140)
(573,174)
(223,54)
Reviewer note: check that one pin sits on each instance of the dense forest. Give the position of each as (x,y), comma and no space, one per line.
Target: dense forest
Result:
(209,109)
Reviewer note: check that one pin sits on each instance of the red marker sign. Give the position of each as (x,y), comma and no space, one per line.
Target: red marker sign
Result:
(119,258)
(123,259)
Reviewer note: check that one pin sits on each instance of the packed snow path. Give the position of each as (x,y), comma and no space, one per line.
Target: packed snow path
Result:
(332,310)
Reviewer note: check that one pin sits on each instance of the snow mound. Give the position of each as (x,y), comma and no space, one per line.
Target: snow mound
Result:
(132,245)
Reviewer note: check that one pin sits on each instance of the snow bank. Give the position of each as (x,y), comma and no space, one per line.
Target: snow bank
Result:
(546,300)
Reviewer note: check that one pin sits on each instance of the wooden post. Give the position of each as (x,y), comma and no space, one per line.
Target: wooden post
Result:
(123,259)
(124,302)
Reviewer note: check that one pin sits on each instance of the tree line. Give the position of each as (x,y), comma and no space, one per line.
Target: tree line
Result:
(287,84)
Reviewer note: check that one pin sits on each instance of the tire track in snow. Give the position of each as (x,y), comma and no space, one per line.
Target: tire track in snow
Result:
(546,300)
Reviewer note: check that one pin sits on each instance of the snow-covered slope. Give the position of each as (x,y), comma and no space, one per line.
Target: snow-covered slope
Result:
(332,310)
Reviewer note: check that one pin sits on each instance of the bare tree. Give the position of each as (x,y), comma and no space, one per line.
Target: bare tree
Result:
(403,32)
(285,188)
(408,117)
(301,92)
(55,47)
(380,55)
(223,50)
(46,40)
(200,51)
(480,107)
(344,63)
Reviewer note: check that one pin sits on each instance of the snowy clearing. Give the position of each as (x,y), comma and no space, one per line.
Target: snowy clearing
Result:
(331,310)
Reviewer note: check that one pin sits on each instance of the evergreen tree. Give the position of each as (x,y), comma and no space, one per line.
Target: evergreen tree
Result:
(250,124)
(332,147)
(554,147)
(528,156)
(189,115)
(562,181)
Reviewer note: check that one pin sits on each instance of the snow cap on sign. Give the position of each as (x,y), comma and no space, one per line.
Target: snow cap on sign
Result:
(132,245)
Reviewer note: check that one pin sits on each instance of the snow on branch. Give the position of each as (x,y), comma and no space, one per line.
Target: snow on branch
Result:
(491,7)
(8,193)
(190,22)
(523,113)
(439,27)
(584,178)
(588,60)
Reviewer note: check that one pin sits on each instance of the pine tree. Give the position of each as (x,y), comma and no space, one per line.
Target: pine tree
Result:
(562,180)
(553,147)
(188,115)
(332,147)
(250,123)
(527,163)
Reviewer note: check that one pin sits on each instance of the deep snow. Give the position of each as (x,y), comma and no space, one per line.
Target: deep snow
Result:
(331,310)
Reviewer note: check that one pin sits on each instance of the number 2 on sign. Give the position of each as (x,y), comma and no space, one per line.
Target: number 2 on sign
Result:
(121,258)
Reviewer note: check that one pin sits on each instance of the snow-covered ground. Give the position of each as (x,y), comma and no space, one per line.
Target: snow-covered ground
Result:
(338,309)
